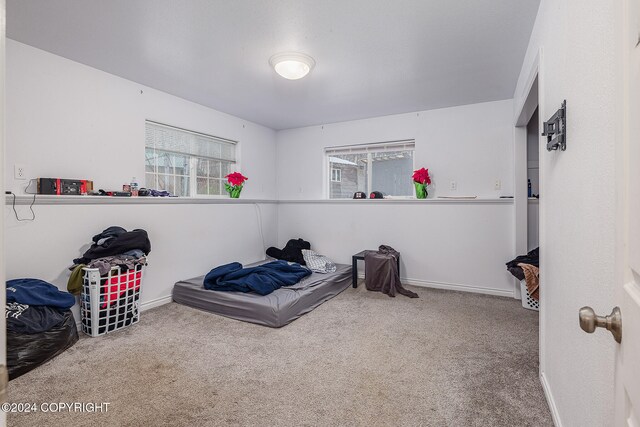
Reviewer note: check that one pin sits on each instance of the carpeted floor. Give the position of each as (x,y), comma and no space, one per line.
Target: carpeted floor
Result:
(362,358)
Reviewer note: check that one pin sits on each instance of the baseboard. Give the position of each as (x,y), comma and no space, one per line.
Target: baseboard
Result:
(552,404)
(155,303)
(454,287)
(143,307)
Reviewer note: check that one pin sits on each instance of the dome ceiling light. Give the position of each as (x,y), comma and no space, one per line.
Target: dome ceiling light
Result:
(292,65)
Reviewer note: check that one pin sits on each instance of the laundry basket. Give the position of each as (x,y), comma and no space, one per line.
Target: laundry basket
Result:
(110,302)
(527,300)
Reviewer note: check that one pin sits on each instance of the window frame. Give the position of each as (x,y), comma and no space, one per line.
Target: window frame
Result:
(369,148)
(193,162)
(338,175)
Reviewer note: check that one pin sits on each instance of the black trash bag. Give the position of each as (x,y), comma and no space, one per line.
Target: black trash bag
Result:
(28,351)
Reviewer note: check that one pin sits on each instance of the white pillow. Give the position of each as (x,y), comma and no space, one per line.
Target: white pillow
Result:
(318,263)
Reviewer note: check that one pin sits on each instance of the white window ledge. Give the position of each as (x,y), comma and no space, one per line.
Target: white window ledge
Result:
(107,200)
(408,201)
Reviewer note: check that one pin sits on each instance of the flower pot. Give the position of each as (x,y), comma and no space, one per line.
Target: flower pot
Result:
(421,190)
(234,191)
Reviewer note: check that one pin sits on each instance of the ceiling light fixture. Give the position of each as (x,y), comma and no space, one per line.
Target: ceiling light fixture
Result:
(292,65)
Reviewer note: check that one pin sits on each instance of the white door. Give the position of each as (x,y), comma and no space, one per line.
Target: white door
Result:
(628,287)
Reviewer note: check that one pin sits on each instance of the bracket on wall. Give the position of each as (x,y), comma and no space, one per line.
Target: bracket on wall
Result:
(555,129)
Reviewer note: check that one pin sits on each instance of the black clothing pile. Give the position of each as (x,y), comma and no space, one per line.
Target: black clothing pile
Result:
(40,324)
(115,241)
(114,247)
(531,258)
(292,252)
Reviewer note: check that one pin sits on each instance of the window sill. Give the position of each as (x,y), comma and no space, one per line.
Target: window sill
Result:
(399,201)
(106,200)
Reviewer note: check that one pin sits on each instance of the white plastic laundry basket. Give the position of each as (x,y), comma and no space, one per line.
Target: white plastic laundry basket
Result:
(110,302)
(527,300)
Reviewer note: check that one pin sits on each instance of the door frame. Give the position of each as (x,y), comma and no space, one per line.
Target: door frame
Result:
(532,97)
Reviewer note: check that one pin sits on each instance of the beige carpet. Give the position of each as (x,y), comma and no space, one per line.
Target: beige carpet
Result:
(362,358)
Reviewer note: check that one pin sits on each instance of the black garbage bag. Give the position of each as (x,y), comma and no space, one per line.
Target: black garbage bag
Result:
(28,351)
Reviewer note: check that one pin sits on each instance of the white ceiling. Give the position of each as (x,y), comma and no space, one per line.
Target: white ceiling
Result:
(373,57)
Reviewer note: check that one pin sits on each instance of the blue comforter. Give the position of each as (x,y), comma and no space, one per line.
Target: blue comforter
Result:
(262,279)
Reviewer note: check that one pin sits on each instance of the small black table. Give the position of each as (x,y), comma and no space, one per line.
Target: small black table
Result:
(354,266)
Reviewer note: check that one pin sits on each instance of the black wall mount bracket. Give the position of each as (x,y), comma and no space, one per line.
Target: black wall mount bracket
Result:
(555,129)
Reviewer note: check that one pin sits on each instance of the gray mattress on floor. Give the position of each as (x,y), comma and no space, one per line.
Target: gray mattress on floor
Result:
(277,309)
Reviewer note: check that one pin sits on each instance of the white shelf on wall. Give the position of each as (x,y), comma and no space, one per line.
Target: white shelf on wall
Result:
(104,200)
(42,199)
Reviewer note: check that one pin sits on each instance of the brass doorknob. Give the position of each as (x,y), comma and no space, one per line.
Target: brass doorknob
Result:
(589,321)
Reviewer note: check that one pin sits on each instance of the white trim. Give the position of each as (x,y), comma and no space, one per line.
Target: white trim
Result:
(525,109)
(42,199)
(143,307)
(453,287)
(555,416)
(400,201)
(155,303)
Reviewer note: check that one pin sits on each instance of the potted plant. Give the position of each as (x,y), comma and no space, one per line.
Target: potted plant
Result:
(421,179)
(234,184)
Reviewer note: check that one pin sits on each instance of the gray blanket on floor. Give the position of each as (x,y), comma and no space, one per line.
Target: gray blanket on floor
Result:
(381,272)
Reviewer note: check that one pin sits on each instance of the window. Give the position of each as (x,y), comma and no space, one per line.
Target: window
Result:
(386,167)
(187,163)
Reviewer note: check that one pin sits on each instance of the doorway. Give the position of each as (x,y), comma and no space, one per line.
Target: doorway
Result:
(533,181)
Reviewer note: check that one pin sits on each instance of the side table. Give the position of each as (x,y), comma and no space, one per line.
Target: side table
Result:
(354,266)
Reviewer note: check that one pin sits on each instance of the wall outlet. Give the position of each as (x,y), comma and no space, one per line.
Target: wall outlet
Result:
(19,171)
(453,186)
(497,185)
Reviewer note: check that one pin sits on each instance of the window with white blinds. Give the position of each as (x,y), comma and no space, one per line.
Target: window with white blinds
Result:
(186,163)
(385,166)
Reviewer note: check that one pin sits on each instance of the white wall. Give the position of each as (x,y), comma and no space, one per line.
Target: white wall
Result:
(459,245)
(577,228)
(452,245)
(68,120)
(65,119)
(471,144)
(187,240)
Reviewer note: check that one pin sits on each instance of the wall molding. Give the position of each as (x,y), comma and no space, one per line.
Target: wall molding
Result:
(106,200)
(454,287)
(143,307)
(552,403)
(487,201)
(42,199)
(155,303)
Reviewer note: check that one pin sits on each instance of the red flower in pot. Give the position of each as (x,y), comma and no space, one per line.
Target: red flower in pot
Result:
(421,179)
(235,183)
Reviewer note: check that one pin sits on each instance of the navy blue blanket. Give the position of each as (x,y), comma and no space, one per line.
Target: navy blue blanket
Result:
(262,279)
(38,292)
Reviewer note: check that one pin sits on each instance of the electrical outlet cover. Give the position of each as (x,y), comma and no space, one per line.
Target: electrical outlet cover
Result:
(453,186)
(19,171)
(497,185)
